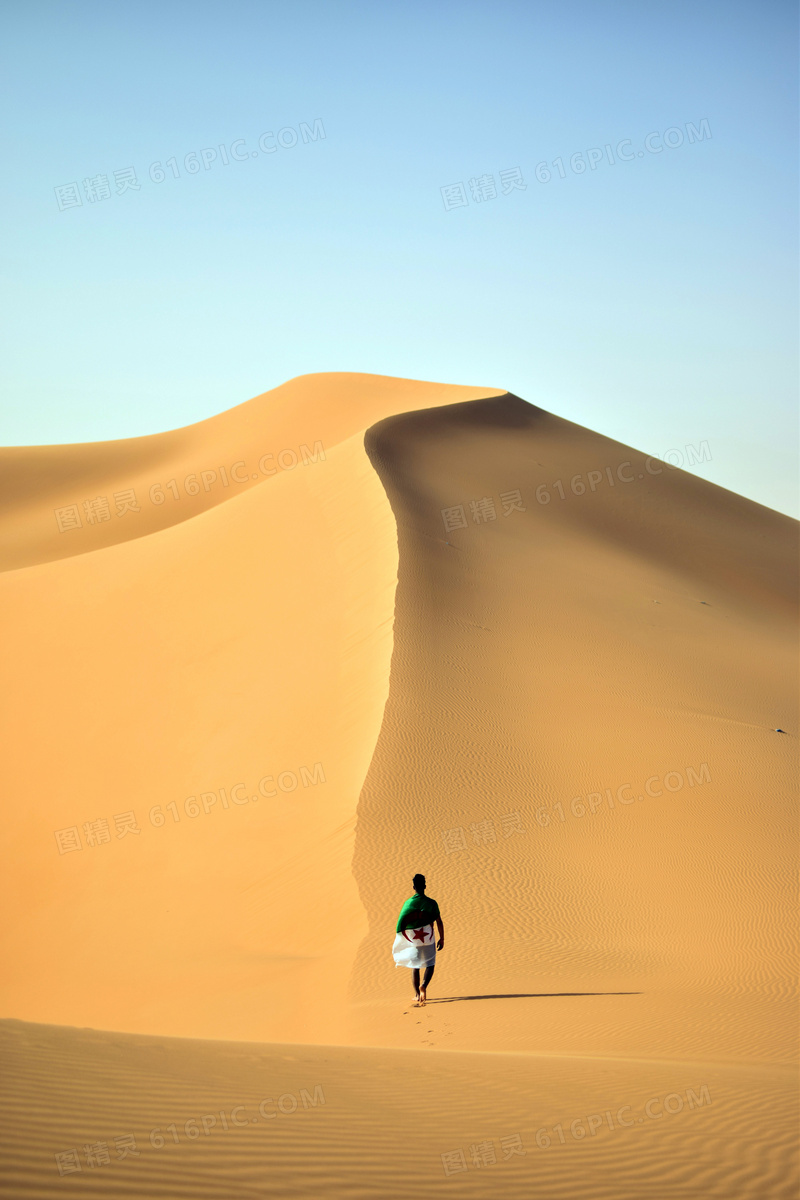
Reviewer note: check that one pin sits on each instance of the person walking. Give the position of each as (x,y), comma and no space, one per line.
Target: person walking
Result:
(414,943)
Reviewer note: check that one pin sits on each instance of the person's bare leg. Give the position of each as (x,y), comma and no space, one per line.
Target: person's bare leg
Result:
(415,974)
(428,976)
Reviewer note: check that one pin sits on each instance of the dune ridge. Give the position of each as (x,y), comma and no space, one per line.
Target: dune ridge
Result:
(290,427)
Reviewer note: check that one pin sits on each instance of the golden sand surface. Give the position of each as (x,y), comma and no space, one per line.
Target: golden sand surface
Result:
(420,628)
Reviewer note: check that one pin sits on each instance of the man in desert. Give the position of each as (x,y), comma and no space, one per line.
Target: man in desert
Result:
(414,944)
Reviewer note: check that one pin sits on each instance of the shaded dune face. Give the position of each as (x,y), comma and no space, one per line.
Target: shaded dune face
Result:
(640,628)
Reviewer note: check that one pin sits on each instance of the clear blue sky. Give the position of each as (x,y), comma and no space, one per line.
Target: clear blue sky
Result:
(653,299)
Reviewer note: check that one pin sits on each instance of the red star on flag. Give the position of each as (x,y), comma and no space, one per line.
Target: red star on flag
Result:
(419,935)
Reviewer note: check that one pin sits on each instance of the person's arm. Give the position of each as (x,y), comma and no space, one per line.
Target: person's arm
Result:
(440,928)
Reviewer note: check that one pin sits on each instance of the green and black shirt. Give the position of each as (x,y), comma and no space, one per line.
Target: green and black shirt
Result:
(417,911)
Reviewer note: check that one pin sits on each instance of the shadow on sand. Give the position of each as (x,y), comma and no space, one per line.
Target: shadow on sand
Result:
(526,996)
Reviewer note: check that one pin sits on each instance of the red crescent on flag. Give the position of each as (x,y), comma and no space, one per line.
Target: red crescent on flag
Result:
(416,939)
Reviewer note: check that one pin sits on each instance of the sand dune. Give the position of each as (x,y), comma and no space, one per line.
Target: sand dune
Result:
(468,638)
(226,1120)
(249,645)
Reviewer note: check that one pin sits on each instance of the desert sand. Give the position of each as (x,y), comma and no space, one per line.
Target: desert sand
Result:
(405,627)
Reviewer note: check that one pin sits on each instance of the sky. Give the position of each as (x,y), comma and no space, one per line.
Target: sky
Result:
(592,205)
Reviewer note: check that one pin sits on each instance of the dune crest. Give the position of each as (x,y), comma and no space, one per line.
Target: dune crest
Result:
(136,486)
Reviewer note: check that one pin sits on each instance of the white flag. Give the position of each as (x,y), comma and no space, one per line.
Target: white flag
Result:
(415,947)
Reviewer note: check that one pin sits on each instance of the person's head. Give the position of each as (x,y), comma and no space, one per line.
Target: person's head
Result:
(418,883)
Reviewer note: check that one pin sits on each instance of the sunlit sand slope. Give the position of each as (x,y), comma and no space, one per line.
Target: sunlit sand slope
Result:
(188,719)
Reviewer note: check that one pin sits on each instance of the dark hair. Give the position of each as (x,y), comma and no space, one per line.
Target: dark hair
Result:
(418,883)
